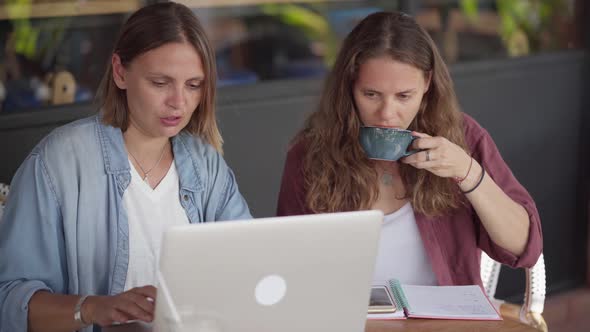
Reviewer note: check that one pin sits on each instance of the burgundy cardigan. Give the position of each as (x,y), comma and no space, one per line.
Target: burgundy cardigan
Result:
(452,242)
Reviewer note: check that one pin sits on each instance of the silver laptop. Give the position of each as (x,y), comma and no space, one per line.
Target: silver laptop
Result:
(299,273)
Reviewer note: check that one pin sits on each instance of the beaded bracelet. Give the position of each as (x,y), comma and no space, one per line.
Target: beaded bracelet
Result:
(483,173)
(457,179)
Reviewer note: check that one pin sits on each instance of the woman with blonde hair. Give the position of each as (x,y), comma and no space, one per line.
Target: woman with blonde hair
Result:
(443,204)
(81,231)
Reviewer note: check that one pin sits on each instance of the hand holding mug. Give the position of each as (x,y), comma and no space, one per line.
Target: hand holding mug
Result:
(439,156)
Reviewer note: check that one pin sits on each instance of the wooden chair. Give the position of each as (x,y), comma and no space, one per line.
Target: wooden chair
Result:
(530,312)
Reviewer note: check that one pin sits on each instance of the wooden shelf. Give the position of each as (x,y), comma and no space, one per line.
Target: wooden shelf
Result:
(227,3)
(68,8)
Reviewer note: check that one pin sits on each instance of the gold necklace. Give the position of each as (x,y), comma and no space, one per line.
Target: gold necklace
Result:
(146,173)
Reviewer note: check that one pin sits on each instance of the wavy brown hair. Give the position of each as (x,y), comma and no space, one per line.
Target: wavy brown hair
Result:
(149,28)
(338,175)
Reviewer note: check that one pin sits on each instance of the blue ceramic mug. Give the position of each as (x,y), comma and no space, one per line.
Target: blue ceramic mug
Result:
(386,143)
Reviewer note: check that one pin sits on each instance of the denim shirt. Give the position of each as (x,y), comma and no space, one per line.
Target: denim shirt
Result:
(64,228)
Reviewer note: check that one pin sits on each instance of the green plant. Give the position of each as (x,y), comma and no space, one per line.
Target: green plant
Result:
(526,25)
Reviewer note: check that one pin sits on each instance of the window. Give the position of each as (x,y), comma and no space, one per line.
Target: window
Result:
(55,51)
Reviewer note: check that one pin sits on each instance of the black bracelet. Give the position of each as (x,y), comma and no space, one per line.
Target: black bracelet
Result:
(483,173)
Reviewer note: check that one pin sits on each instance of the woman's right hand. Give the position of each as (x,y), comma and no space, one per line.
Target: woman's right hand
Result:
(135,304)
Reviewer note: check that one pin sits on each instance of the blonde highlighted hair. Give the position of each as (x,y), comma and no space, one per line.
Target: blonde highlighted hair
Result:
(149,28)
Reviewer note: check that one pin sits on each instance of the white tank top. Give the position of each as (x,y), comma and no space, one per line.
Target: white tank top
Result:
(150,212)
(401,252)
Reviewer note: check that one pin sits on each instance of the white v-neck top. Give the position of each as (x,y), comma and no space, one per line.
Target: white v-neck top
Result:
(150,212)
(401,252)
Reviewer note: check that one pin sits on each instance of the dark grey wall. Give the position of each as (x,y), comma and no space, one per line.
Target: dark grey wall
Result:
(20,132)
(533,107)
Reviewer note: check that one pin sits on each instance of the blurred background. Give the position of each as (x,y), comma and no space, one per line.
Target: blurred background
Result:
(520,68)
(256,40)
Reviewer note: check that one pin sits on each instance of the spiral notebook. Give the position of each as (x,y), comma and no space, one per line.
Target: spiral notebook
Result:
(439,302)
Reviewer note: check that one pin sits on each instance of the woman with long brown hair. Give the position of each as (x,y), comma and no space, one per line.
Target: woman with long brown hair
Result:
(443,203)
(81,232)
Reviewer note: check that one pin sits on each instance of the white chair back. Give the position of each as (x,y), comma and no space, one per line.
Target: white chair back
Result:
(534,296)
(490,273)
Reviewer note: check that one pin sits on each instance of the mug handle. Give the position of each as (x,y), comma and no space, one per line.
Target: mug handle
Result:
(411,152)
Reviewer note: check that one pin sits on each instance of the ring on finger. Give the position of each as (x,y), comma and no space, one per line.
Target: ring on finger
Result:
(427,155)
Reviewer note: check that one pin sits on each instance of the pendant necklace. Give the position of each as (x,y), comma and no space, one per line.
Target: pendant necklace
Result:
(146,173)
(387,179)
(387,176)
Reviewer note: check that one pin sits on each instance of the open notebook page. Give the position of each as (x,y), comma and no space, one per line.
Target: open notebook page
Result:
(449,302)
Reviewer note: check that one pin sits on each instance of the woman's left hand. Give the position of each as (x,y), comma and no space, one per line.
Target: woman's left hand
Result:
(441,157)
